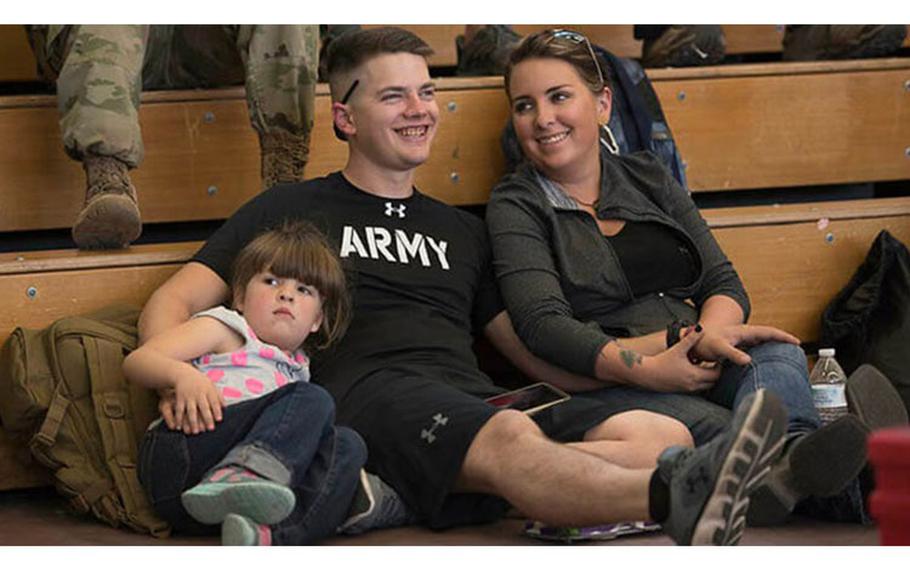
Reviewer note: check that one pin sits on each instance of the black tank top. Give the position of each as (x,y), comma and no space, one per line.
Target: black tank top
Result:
(653,257)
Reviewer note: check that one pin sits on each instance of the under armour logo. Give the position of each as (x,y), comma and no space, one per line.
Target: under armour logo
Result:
(389,209)
(438,420)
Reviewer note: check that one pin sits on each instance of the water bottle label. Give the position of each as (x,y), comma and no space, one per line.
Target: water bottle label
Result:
(829,396)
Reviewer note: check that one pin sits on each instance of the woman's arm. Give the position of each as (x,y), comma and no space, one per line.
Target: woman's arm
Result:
(530,285)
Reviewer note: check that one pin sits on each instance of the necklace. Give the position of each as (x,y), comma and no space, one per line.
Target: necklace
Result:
(592,205)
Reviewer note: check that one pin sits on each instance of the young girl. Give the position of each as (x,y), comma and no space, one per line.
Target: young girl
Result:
(254,447)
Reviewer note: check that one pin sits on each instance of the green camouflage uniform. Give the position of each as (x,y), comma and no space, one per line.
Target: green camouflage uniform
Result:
(100,71)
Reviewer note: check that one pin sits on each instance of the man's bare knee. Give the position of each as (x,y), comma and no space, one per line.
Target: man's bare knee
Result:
(492,450)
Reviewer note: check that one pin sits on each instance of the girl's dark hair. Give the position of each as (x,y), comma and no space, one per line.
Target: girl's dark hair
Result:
(560,44)
(298,250)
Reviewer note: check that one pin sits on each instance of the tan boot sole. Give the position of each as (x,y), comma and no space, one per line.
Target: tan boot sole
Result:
(107,222)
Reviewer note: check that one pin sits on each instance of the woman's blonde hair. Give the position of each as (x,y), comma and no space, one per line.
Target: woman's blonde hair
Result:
(298,250)
(565,45)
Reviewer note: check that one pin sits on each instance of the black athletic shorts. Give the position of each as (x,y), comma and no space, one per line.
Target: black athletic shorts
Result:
(418,429)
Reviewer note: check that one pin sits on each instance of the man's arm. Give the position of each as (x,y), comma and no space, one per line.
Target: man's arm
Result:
(500,333)
(193,288)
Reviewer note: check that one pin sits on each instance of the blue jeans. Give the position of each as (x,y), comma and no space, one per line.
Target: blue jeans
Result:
(778,367)
(287,436)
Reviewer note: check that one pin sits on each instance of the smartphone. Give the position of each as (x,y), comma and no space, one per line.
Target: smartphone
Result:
(529,399)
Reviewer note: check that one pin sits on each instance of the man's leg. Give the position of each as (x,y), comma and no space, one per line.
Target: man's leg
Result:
(699,495)
(281,63)
(98,91)
(557,484)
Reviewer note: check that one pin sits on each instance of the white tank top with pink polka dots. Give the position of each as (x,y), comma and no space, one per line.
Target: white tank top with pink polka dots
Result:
(253,370)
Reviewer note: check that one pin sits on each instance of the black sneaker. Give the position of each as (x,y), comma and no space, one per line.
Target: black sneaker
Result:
(710,485)
(819,464)
(685,46)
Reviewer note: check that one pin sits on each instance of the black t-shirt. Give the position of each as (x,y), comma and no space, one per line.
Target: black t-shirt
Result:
(653,257)
(420,271)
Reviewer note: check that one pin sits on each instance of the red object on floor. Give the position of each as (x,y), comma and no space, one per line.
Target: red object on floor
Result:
(889,453)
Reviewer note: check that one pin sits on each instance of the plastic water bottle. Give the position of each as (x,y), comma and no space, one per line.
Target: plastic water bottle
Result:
(829,383)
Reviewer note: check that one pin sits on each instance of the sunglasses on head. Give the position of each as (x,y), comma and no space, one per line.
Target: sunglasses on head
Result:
(576,38)
(344,100)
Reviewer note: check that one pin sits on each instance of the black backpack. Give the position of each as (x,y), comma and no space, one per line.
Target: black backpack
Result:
(869,320)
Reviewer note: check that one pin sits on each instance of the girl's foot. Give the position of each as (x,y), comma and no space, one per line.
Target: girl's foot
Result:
(240,491)
(241,531)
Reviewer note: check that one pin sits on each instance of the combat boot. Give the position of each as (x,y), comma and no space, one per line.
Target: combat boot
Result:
(810,43)
(685,46)
(110,215)
(284,156)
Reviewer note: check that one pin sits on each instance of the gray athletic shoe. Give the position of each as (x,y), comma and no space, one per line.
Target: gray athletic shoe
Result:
(376,506)
(710,485)
(873,399)
(685,46)
(820,463)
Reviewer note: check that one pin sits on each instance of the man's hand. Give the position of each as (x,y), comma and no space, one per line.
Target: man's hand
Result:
(721,344)
(197,403)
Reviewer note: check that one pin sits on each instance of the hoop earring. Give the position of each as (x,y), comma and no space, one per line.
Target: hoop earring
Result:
(608,140)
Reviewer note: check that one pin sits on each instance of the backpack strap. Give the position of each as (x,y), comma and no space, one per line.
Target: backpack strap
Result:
(46,437)
(113,414)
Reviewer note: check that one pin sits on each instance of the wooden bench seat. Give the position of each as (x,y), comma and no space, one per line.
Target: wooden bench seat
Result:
(738,127)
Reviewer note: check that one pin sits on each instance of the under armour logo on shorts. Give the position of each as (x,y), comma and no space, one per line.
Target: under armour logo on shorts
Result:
(390,208)
(430,435)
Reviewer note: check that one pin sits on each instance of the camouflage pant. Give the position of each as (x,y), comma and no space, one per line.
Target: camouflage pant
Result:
(100,71)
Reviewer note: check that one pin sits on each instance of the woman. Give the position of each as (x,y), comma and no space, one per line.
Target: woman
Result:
(605,264)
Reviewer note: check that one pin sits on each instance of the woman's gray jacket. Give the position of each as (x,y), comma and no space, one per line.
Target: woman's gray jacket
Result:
(562,283)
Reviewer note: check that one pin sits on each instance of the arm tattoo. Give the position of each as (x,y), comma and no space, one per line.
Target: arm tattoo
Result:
(630,358)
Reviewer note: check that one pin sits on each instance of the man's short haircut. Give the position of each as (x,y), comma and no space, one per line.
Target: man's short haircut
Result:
(351,50)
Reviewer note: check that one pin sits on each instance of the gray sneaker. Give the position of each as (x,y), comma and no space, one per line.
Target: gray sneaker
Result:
(820,463)
(710,485)
(872,398)
(376,506)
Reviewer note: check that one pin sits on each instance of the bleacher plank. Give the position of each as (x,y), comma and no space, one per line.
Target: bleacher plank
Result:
(789,124)
(17,63)
(794,259)
(187,154)
(773,122)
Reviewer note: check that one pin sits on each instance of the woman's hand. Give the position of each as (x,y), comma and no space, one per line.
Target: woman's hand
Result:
(197,403)
(673,371)
(721,343)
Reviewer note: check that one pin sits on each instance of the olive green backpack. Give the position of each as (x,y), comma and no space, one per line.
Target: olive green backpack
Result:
(63,393)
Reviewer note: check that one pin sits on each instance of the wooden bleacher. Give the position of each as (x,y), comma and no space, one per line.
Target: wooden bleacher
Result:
(738,127)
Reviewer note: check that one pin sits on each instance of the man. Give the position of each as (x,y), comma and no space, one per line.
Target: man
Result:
(405,376)
(100,71)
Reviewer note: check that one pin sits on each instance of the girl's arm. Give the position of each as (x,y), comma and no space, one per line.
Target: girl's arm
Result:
(161,363)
